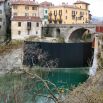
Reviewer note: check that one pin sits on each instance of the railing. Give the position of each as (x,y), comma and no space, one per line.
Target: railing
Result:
(73,25)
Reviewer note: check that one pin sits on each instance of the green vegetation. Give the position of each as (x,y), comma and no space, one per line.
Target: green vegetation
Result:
(33,38)
(86,37)
(24,87)
(60,39)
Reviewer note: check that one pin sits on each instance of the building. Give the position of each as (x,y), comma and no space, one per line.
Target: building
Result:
(25,20)
(43,11)
(78,13)
(4,14)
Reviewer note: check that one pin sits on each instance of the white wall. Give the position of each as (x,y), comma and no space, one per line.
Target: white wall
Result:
(24,31)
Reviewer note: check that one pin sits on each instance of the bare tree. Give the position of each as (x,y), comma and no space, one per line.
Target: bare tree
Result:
(16,94)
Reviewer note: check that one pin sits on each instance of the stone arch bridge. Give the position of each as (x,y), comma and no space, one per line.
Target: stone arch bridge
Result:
(70,32)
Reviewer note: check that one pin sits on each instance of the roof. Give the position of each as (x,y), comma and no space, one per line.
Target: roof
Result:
(26,2)
(81,2)
(26,18)
(66,6)
(2,0)
(46,4)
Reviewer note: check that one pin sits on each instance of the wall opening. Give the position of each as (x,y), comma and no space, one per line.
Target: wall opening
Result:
(81,35)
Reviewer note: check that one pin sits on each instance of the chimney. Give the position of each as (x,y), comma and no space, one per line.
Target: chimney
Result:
(63,3)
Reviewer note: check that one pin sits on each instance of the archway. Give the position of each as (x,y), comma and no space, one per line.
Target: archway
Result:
(80,35)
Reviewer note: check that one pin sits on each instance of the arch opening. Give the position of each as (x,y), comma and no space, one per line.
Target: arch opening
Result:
(81,35)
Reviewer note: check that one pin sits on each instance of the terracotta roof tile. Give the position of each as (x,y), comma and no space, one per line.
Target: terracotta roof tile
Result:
(21,2)
(26,18)
(81,2)
(65,6)
(2,0)
(46,4)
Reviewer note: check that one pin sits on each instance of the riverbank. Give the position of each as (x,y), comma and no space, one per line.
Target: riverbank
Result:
(11,60)
(89,92)
(7,48)
(10,56)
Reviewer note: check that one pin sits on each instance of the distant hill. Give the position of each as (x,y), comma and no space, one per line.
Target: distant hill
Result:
(96,19)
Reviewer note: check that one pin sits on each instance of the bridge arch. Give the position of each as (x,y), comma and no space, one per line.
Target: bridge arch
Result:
(79,34)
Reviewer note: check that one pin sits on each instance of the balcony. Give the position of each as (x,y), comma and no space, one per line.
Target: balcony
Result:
(28,25)
(59,19)
(73,15)
(55,21)
(81,16)
(50,20)
(90,17)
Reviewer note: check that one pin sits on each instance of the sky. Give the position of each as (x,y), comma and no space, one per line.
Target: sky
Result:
(96,6)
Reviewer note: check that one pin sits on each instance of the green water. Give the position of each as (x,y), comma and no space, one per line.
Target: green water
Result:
(65,79)
(25,88)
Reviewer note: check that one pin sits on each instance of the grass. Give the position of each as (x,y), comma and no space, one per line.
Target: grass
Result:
(12,45)
(19,88)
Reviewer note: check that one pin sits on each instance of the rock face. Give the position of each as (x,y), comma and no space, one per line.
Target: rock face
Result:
(11,60)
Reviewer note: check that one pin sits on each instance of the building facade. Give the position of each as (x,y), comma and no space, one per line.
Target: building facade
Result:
(43,11)
(4,13)
(25,20)
(78,13)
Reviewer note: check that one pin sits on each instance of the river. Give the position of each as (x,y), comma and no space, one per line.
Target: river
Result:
(64,79)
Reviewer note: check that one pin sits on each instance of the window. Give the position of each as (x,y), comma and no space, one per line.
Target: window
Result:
(15,7)
(45,23)
(60,12)
(3,23)
(55,12)
(37,24)
(27,7)
(19,24)
(0,19)
(15,14)
(26,14)
(19,32)
(0,26)
(66,11)
(34,8)
(66,17)
(36,32)
(46,11)
(0,11)
(28,25)
(33,14)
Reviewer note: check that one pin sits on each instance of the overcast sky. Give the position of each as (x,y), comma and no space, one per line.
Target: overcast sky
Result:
(96,6)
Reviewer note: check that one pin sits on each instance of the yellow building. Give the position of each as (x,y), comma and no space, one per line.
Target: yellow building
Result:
(25,20)
(78,13)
